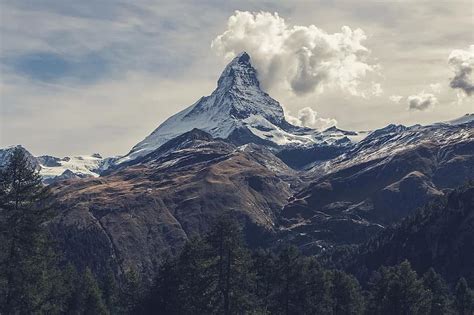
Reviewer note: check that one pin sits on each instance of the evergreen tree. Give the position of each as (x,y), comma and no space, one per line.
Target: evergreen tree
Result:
(397,290)
(73,285)
(440,301)
(318,289)
(463,298)
(131,291)
(346,294)
(196,283)
(230,266)
(211,276)
(85,294)
(264,268)
(164,297)
(110,292)
(29,279)
(289,294)
(93,303)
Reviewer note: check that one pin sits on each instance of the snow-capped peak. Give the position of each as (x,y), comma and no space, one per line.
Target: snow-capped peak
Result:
(236,104)
(461,120)
(239,73)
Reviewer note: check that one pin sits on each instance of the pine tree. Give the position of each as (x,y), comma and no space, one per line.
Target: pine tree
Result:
(264,268)
(110,292)
(318,288)
(397,290)
(346,294)
(230,265)
(73,285)
(92,300)
(463,298)
(440,301)
(289,294)
(197,283)
(29,279)
(131,291)
(164,296)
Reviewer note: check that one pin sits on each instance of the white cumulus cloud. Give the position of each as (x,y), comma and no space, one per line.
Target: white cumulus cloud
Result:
(304,58)
(307,117)
(421,101)
(462,64)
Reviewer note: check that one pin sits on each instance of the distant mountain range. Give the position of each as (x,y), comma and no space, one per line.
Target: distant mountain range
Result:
(234,151)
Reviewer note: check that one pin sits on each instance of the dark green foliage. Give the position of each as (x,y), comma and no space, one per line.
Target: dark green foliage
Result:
(229,265)
(346,296)
(397,290)
(91,296)
(164,297)
(131,292)
(287,297)
(29,279)
(440,235)
(217,275)
(111,291)
(463,298)
(440,296)
(263,267)
(86,296)
(286,282)
(213,274)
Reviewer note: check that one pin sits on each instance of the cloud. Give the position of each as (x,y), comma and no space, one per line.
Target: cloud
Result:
(304,58)
(307,117)
(462,64)
(421,101)
(376,89)
(436,87)
(395,98)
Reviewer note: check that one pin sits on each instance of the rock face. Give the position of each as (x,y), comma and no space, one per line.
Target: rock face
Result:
(139,213)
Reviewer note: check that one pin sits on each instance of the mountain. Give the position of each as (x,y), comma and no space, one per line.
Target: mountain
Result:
(461,120)
(138,214)
(53,169)
(377,182)
(239,111)
(6,152)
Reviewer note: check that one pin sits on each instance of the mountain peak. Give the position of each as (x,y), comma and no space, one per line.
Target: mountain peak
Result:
(239,73)
(243,58)
(237,110)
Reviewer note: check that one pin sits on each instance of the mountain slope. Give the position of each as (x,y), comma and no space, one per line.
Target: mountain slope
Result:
(382,179)
(441,235)
(137,214)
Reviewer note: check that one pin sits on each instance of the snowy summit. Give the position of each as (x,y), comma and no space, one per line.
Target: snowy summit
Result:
(237,110)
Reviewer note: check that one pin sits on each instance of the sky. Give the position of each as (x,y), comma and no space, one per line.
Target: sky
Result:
(79,77)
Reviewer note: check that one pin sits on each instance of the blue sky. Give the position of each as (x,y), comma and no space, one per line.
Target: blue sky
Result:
(97,76)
